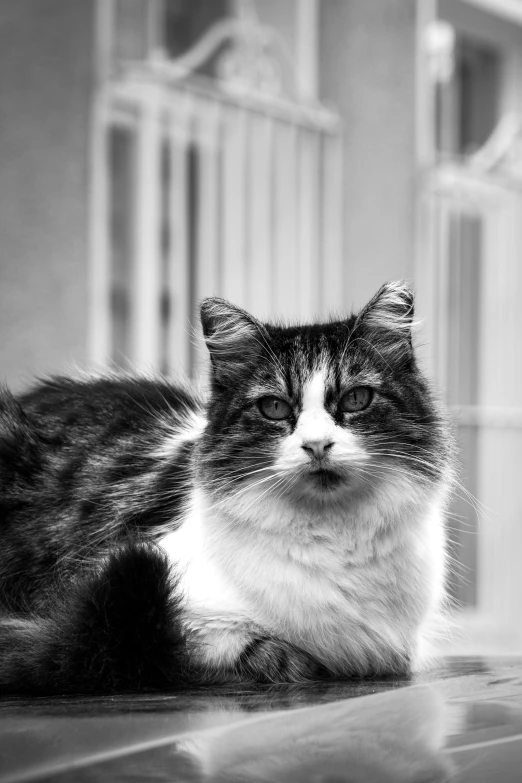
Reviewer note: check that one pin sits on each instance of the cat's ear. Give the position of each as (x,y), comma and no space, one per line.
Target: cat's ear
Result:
(234,338)
(392,307)
(389,318)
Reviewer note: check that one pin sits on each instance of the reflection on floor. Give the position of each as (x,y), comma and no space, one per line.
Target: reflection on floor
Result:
(462,722)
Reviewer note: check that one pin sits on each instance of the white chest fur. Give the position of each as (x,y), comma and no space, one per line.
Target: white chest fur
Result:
(353,588)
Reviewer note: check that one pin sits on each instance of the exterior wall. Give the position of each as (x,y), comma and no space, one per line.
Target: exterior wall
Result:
(367,56)
(45,87)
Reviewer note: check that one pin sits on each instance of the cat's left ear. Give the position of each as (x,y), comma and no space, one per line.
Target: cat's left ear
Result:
(388,317)
(234,338)
(391,308)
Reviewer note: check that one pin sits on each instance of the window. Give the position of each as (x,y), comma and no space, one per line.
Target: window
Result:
(185,21)
(471,214)
(467,107)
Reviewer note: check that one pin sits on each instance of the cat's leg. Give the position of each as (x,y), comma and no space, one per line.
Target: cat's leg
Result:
(272,660)
(116,629)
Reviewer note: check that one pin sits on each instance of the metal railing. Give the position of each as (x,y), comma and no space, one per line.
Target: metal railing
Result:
(204,187)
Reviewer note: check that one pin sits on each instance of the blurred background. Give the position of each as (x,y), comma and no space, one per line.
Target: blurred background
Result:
(290,155)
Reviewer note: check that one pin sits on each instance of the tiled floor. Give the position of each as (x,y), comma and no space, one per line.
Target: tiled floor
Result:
(462,722)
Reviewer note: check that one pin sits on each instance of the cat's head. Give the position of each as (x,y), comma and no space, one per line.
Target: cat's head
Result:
(319,413)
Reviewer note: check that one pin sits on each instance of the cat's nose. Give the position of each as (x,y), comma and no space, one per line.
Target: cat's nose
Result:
(316,449)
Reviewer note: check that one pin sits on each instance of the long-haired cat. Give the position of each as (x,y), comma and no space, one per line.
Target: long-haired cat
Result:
(289,528)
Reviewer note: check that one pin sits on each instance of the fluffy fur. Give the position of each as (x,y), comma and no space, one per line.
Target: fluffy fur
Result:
(151,539)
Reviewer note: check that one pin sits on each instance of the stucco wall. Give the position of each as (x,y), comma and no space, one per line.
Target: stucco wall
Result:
(367,51)
(45,83)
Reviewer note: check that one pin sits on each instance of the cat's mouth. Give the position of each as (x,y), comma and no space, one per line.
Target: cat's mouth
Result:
(325,478)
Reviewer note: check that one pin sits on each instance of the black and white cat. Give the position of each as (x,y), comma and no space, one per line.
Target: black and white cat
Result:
(290,528)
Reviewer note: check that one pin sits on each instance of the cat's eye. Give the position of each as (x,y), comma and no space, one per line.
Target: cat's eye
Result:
(274,408)
(356,399)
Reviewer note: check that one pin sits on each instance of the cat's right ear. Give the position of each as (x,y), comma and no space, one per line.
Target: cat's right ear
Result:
(234,338)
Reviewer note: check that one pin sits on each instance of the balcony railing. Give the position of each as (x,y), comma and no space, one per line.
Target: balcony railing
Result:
(205,186)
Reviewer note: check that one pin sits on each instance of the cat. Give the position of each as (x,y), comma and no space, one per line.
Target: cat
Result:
(291,528)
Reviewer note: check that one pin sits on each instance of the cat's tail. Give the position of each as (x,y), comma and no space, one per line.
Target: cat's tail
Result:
(118,629)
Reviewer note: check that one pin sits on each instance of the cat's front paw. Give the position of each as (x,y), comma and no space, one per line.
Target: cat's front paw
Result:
(271,660)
